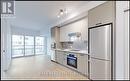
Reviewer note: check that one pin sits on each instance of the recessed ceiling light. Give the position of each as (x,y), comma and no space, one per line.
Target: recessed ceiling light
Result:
(62,13)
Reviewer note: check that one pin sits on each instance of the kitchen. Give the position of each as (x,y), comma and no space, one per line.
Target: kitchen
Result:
(66,40)
(86,44)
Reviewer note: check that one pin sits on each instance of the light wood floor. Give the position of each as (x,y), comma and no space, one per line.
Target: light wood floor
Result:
(40,67)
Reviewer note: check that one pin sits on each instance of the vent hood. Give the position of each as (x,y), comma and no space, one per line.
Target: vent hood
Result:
(77,34)
(74,36)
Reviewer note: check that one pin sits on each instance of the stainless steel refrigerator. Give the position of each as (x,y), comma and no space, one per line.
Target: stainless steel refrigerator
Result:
(100,50)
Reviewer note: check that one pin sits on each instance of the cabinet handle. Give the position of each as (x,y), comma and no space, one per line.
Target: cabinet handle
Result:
(126,10)
(98,23)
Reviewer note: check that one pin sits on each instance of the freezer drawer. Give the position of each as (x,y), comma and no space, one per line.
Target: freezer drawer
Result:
(100,69)
(100,42)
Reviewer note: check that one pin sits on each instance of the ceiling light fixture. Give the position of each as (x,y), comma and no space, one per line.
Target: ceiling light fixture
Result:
(62,12)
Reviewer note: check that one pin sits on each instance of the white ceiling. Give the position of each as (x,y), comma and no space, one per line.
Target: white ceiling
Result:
(39,14)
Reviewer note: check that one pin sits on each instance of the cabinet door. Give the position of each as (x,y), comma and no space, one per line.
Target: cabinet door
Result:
(101,14)
(78,26)
(60,57)
(100,69)
(65,59)
(84,29)
(83,63)
(64,34)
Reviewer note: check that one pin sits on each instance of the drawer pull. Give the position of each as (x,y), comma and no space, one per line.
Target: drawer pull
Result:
(126,10)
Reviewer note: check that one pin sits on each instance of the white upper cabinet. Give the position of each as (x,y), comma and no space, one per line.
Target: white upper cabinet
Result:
(78,26)
(64,34)
(101,14)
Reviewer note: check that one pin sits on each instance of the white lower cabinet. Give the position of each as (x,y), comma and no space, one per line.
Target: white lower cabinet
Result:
(82,63)
(65,59)
(59,55)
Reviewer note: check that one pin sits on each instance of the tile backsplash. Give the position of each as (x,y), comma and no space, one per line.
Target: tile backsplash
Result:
(78,44)
(67,45)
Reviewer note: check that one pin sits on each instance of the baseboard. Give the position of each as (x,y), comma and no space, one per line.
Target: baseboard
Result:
(53,61)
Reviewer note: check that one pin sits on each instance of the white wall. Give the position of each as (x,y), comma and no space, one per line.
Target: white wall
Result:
(120,41)
(6,45)
(45,31)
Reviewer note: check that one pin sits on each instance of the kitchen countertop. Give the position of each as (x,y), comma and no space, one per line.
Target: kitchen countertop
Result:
(73,51)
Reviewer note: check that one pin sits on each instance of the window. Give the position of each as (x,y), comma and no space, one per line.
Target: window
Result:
(39,45)
(17,45)
(27,45)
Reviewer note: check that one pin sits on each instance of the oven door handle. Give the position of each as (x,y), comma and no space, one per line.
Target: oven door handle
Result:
(74,58)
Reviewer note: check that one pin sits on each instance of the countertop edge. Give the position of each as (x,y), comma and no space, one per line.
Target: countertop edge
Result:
(72,51)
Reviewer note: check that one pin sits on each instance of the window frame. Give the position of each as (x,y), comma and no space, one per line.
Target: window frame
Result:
(34,37)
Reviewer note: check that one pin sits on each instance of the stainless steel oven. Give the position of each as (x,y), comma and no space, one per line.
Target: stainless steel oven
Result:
(72,60)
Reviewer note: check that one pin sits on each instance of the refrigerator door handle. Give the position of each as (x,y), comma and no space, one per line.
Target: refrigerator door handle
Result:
(99,59)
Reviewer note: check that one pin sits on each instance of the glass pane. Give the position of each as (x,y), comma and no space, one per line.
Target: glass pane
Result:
(39,49)
(29,40)
(29,45)
(17,53)
(29,51)
(17,45)
(39,41)
(17,40)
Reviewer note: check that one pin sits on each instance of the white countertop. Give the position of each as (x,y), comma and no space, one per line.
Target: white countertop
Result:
(69,50)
